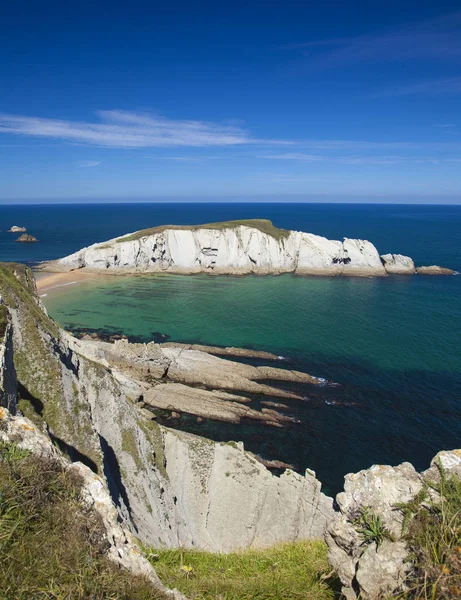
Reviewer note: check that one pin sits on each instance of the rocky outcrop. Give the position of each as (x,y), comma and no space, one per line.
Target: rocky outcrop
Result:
(435,270)
(397,264)
(26,238)
(169,488)
(17,229)
(122,546)
(370,569)
(235,247)
(184,380)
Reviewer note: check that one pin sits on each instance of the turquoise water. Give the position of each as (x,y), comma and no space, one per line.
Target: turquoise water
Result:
(393,344)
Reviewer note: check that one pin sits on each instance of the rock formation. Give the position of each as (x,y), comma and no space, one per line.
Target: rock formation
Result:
(368,571)
(170,488)
(26,238)
(435,270)
(16,229)
(235,248)
(122,546)
(398,264)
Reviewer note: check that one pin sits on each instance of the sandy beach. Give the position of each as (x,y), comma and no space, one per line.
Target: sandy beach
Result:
(51,281)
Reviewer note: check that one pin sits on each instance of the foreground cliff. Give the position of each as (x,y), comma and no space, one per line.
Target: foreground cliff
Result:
(87,405)
(170,488)
(237,248)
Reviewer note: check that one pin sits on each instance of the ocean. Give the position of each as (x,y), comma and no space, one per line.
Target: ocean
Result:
(393,344)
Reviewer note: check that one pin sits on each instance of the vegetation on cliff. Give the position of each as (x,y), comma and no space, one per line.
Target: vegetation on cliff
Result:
(50,545)
(263,225)
(283,572)
(433,536)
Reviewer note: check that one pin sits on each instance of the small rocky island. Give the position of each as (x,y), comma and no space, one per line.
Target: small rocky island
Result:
(17,229)
(26,238)
(235,248)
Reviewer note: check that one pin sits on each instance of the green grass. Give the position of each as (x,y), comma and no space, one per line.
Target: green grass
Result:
(50,547)
(3,319)
(263,225)
(433,535)
(283,572)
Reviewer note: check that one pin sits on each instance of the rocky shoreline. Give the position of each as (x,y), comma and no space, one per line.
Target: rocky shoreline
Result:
(173,489)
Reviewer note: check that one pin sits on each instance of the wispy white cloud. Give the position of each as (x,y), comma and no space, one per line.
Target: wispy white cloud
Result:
(185,159)
(87,164)
(438,38)
(448,85)
(358,160)
(122,129)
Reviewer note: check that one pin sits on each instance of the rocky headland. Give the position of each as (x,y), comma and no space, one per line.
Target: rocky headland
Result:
(90,403)
(233,248)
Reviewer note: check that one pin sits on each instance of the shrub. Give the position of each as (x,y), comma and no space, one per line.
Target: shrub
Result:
(50,546)
(433,535)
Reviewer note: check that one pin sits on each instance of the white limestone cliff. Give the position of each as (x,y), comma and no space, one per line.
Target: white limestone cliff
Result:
(398,264)
(170,488)
(237,247)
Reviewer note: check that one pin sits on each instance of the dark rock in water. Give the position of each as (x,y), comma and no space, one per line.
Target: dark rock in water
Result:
(274,464)
(175,415)
(26,238)
(274,404)
(159,337)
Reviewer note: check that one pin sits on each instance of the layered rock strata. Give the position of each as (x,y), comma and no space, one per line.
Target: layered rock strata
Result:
(169,488)
(235,247)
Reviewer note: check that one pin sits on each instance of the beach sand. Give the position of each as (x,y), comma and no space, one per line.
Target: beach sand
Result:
(51,281)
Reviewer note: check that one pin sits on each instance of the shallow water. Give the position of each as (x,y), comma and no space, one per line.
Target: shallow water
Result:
(392,343)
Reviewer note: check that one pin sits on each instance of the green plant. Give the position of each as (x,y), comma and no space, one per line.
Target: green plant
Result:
(51,547)
(433,536)
(264,225)
(283,572)
(370,526)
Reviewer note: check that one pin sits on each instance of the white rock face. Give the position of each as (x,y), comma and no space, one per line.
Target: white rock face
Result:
(233,250)
(232,502)
(367,571)
(398,264)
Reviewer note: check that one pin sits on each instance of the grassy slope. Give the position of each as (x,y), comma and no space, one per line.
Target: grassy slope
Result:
(38,364)
(284,572)
(263,225)
(50,547)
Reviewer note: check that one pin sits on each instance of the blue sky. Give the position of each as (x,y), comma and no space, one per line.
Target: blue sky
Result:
(246,100)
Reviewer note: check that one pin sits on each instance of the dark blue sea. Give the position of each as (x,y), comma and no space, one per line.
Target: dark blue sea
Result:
(394,344)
